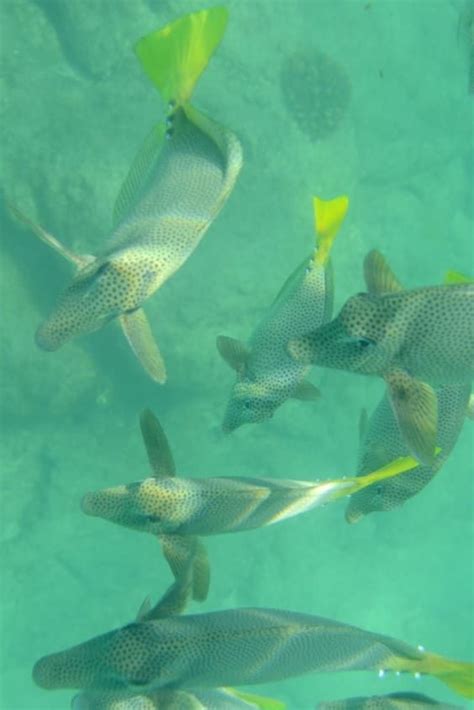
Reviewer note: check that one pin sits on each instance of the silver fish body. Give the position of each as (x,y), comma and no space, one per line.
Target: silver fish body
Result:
(206,506)
(383,442)
(428,332)
(224,648)
(181,190)
(270,376)
(392,701)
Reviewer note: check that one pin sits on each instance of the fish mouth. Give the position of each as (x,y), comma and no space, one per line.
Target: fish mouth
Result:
(353,516)
(44,340)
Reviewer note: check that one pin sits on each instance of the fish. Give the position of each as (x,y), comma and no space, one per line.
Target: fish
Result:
(182,509)
(392,701)
(413,339)
(186,555)
(265,374)
(219,699)
(382,442)
(176,186)
(234,647)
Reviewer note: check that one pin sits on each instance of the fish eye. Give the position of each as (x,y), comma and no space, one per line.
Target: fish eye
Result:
(365,342)
(379,489)
(248,404)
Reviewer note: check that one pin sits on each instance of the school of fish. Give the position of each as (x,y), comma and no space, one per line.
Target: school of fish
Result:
(420,341)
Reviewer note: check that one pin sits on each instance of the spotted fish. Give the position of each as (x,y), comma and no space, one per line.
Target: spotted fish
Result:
(179,509)
(412,338)
(176,186)
(392,701)
(382,441)
(266,375)
(236,647)
(219,699)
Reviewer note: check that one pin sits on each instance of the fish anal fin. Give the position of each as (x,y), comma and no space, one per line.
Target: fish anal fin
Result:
(415,406)
(137,330)
(157,446)
(233,352)
(306,391)
(78,260)
(328,217)
(379,278)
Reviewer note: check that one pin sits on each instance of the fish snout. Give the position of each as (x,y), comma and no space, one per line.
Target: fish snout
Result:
(47,339)
(48,672)
(91,504)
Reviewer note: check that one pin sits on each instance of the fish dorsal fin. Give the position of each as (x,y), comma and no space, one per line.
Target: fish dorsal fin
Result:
(136,328)
(79,260)
(306,391)
(328,217)
(234,352)
(157,447)
(379,277)
(144,609)
(139,173)
(363,425)
(175,56)
(455,277)
(415,406)
(172,603)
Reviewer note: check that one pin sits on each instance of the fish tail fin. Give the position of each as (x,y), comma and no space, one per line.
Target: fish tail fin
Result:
(175,56)
(457,675)
(328,217)
(456,277)
(395,468)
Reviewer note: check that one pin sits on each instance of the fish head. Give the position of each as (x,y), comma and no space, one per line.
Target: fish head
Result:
(383,495)
(356,340)
(156,506)
(127,658)
(100,292)
(251,402)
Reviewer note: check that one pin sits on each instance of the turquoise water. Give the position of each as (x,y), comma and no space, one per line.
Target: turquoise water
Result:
(75,107)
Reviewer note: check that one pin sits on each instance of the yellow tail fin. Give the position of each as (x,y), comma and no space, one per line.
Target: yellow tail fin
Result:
(260,701)
(175,56)
(343,487)
(457,675)
(328,217)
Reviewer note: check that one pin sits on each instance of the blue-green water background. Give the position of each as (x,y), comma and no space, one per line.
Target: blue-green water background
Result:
(75,107)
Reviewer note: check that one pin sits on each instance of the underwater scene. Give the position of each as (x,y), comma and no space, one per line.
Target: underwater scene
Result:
(266,327)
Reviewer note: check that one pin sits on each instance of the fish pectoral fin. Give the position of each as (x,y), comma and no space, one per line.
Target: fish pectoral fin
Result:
(79,260)
(306,391)
(415,406)
(137,330)
(187,557)
(157,446)
(234,352)
(379,277)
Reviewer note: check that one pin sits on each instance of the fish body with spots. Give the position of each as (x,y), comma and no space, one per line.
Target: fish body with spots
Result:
(266,376)
(383,442)
(415,339)
(232,648)
(179,507)
(178,183)
(392,701)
